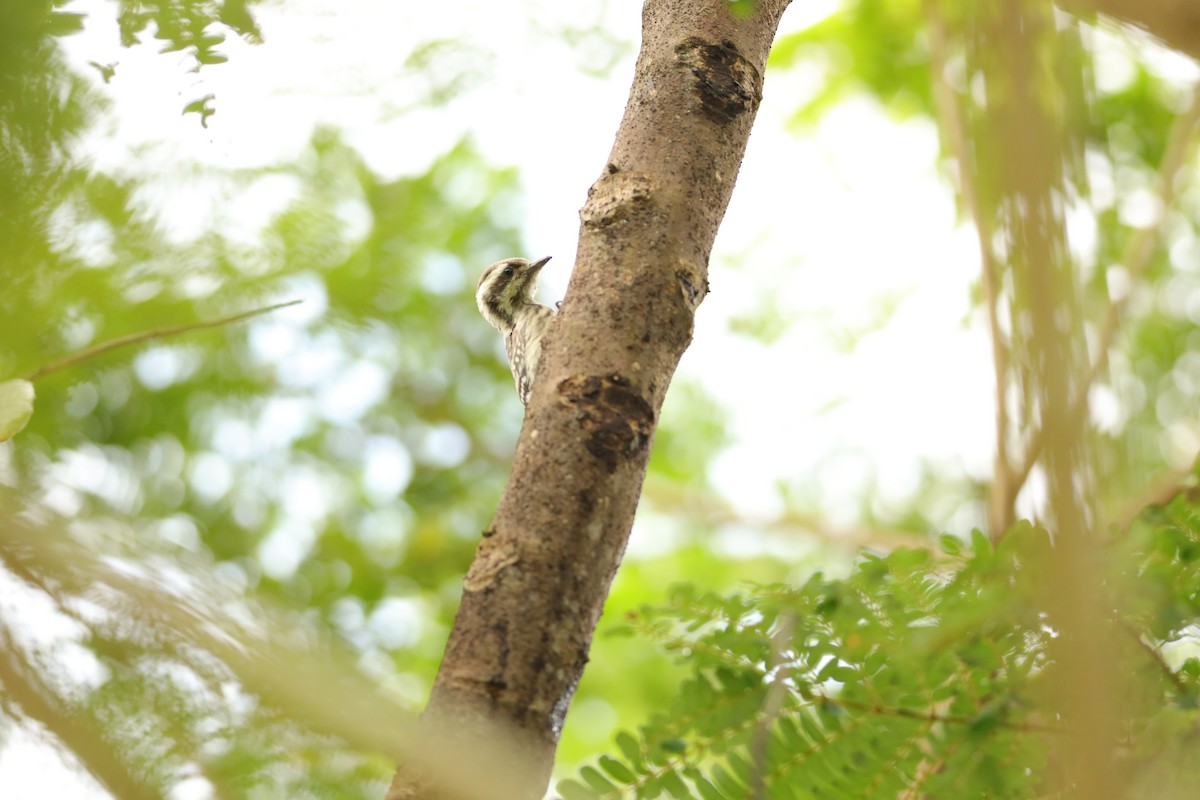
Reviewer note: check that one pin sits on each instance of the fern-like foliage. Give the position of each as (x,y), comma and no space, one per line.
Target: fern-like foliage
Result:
(920,675)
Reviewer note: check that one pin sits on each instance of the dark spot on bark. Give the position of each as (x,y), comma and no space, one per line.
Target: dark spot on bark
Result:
(616,420)
(728,85)
(501,629)
(612,168)
(496,683)
(489,532)
(586,504)
(646,337)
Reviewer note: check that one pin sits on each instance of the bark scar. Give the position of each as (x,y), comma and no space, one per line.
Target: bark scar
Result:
(616,420)
(728,84)
(495,555)
(614,197)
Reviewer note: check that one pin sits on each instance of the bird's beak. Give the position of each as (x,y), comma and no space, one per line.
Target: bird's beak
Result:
(537,265)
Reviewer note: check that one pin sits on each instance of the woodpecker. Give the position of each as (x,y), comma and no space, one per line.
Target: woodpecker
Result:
(505,298)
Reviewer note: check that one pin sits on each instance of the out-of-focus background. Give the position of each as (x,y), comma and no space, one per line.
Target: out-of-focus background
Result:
(323,471)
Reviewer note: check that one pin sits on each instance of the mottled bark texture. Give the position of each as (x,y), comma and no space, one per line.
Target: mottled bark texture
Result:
(535,592)
(1175,22)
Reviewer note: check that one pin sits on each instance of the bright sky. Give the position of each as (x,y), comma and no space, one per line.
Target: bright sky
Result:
(832,227)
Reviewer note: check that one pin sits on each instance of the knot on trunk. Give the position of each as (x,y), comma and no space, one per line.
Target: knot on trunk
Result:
(616,420)
(728,85)
(615,197)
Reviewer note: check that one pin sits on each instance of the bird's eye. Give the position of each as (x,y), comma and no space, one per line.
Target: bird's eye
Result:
(508,271)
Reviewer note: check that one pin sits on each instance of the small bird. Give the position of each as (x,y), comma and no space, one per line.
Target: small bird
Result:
(505,298)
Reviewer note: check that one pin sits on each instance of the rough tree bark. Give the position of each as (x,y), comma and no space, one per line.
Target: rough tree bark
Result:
(535,591)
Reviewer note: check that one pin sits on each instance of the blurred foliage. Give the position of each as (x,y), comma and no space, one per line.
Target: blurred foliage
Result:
(875,46)
(187,24)
(319,476)
(918,675)
(320,470)
(195,27)
(1115,103)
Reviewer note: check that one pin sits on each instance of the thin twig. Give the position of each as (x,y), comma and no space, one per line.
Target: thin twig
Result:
(1000,508)
(313,683)
(933,716)
(1158,491)
(142,336)
(1157,657)
(1136,260)
(777,693)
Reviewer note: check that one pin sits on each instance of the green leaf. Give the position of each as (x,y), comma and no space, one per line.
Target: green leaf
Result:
(980,543)
(730,786)
(651,789)
(951,545)
(198,106)
(630,748)
(908,559)
(203,107)
(573,790)
(708,791)
(812,728)
(675,786)
(617,770)
(989,717)
(16,407)
(597,782)
(838,671)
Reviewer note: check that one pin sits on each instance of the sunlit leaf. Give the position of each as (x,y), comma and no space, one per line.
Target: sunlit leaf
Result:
(16,407)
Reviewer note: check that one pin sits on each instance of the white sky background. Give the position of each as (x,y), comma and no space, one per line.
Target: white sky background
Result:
(832,226)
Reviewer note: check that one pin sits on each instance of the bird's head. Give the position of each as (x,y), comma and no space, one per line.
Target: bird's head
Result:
(506,285)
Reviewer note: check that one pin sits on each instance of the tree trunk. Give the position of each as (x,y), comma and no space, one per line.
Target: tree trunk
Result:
(535,591)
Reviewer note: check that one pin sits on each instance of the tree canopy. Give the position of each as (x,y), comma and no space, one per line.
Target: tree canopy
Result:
(232,552)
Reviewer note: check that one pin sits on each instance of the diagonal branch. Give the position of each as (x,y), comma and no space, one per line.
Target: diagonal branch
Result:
(76,732)
(1156,658)
(1000,505)
(777,693)
(932,717)
(317,685)
(95,350)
